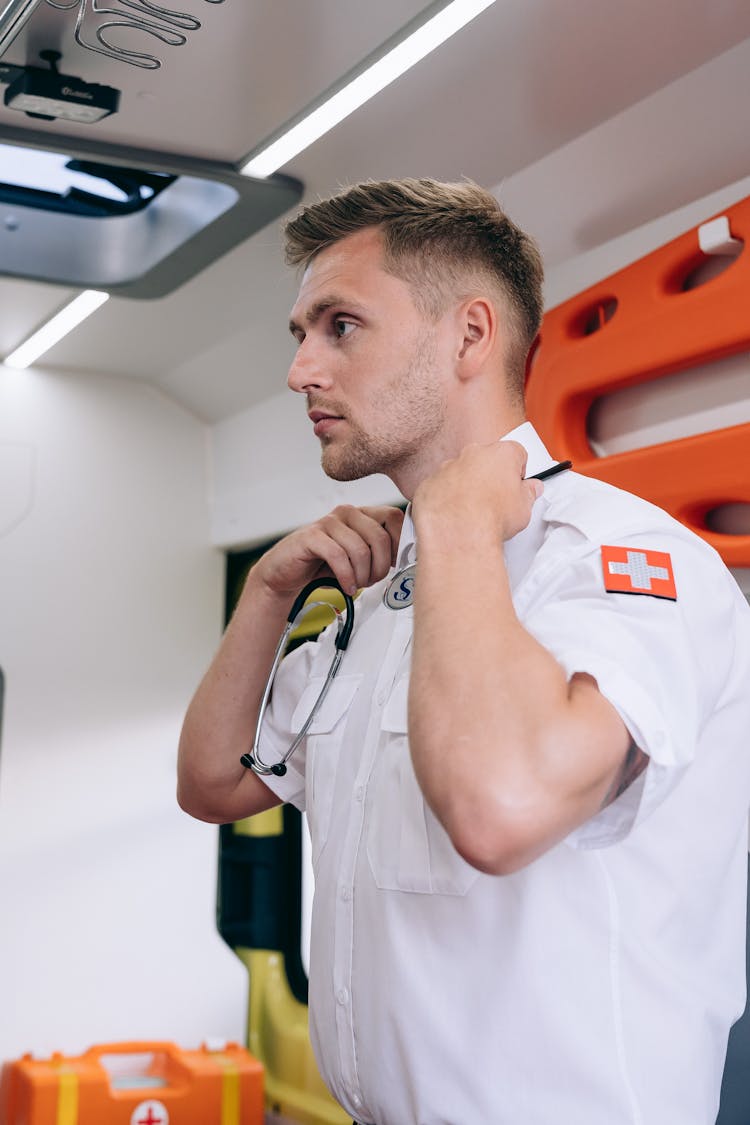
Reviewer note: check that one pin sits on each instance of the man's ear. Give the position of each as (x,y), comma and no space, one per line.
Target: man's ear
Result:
(478,335)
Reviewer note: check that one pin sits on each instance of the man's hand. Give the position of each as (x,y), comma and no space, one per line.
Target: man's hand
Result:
(356,546)
(485,483)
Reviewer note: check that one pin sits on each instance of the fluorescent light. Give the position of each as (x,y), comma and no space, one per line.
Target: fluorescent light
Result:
(60,324)
(364,86)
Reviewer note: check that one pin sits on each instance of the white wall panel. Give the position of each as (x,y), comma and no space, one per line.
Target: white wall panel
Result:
(110,607)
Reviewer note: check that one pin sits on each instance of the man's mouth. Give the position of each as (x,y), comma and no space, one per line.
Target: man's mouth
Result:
(323,421)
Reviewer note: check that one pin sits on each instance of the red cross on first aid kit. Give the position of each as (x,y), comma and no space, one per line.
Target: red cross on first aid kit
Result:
(630,570)
(150,1113)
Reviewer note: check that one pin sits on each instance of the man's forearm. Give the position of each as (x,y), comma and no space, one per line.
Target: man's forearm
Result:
(220,721)
(510,755)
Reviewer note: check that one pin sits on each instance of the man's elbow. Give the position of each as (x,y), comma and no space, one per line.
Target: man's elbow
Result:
(203,799)
(502,841)
(225,802)
(196,806)
(496,859)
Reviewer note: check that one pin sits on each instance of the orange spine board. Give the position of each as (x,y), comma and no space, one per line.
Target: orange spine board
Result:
(647,325)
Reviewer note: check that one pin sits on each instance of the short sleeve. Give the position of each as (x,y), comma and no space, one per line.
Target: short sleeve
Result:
(658,661)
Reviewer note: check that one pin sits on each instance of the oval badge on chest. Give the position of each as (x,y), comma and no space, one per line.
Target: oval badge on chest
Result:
(399,592)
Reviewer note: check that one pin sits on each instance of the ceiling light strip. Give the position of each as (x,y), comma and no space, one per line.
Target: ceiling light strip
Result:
(364,86)
(53,331)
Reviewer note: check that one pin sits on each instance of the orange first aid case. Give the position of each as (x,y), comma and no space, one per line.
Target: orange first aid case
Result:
(135,1084)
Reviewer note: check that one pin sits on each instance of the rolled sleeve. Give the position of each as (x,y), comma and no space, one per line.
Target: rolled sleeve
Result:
(645,654)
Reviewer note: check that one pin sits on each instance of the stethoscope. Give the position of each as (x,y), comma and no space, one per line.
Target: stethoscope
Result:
(344,626)
(398,595)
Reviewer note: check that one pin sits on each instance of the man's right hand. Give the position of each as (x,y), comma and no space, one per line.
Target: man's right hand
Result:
(356,546)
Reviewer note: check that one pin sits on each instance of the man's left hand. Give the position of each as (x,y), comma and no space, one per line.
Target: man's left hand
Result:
(486,479)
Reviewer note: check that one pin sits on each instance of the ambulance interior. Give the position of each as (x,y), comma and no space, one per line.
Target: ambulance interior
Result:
(149,454)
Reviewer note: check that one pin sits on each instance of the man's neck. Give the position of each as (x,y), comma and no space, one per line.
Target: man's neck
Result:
(408,477)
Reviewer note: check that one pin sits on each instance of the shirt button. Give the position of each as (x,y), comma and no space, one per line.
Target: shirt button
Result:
(381,697)
(356,1101)
(346,894)
(359,793)
(342,996)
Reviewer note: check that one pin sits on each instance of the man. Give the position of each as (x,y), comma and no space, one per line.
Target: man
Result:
(527,789)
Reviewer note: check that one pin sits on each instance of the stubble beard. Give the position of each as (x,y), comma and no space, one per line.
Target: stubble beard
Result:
(416,417)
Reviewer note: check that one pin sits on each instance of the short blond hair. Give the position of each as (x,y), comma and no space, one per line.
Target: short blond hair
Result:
(437,237)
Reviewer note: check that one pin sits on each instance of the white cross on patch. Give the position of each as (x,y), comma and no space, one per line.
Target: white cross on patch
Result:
(638,570)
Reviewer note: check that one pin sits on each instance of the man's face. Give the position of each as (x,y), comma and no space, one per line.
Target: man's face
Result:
(369,362)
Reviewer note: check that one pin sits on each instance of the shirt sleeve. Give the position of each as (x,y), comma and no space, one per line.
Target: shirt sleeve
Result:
(660,662)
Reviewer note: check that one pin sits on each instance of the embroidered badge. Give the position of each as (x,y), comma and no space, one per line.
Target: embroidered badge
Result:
(399,593)
(628,570)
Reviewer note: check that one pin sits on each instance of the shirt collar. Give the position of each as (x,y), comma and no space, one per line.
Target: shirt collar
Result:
(538,459)
(407,544)
(537,456)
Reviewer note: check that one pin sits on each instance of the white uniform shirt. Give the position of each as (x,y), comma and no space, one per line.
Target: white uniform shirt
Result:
(597,985)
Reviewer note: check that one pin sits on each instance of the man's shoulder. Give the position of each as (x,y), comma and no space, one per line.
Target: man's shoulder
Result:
(584,517)
(600,513)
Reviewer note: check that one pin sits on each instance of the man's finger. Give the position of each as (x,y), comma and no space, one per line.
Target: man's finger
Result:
(391,519)
(519,451)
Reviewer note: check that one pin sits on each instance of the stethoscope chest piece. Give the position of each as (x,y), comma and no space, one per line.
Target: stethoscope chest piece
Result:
(399,593)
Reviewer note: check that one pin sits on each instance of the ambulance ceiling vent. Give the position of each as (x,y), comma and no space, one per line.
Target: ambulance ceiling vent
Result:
(133,224)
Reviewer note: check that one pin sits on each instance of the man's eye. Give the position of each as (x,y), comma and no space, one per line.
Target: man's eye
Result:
(342,327)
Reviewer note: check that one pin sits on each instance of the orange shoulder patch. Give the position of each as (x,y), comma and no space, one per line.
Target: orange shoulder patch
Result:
(629,570)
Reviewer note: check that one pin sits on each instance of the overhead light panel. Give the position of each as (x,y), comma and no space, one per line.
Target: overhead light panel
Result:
(363,85)
(53,331)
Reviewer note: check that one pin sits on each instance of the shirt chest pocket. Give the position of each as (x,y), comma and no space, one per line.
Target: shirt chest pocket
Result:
(407,847)
(324,742)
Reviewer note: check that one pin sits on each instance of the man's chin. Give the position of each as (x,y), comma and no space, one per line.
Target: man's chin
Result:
(343,472)
(339,469)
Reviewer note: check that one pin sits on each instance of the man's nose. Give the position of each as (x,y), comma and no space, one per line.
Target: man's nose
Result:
(307,371)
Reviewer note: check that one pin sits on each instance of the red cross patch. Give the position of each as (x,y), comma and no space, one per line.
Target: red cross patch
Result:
(630,570)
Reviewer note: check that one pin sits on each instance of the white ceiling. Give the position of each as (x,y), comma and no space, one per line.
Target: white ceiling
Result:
(589,118)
